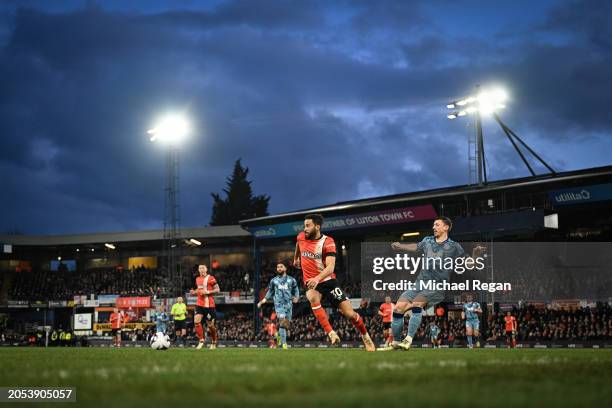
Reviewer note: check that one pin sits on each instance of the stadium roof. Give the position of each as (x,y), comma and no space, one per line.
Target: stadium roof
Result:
(440,193)
(229,231)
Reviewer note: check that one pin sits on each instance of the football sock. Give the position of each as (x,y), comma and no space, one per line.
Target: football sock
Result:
(321,316)
(415,321)
(213,334)
(469,338)
(358,323)
(397,326)
(283,335)
(199,331)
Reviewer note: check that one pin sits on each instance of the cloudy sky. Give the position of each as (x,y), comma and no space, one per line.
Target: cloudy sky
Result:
(324,101)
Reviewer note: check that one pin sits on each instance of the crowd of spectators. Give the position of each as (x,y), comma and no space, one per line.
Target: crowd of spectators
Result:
(142,281)
(57,285)
(544,272)
(547,324)
(534,324)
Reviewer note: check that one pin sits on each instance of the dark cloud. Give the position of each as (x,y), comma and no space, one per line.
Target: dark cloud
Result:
(265,14)
(586,20)
(323,101)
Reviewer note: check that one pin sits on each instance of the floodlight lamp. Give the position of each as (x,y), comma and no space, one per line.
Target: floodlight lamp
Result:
(172,129)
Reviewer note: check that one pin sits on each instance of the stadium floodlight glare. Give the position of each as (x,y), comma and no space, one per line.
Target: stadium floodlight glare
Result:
(490,101)
(195,241)
(172,129)
(486,102)
(109,246)
(411,234)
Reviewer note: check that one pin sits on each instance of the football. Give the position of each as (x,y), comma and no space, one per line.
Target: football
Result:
(160,341)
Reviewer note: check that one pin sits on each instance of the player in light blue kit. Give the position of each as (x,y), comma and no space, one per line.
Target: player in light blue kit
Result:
(283,290)
(471,312)
(437,247)
(434,332)
(161,318)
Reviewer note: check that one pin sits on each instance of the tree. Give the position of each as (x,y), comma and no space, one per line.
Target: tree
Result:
(239,202)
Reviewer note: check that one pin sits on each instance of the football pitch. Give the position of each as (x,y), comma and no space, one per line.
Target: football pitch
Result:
(231,377)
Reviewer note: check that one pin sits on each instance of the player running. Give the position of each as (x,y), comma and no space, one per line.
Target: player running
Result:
(283,289)
(179,313)
(510,323)
(437,246)
(315,253)
(207,286)
(434,332)
(470,313)
(386,312)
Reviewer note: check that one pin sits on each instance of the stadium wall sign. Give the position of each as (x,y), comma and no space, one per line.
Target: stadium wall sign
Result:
(91,303)
(579,195)
(79,300)
(107,299)
(82,321)
(18,303)
(127,326)
(127,302)
(371,219)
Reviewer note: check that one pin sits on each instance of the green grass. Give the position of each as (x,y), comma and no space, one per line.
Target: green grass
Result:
(316,377)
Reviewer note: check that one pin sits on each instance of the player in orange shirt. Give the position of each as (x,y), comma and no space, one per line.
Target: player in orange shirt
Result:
(117,320)
(510,323)
(386,312)
(206,287)
(272,333)
(315,253)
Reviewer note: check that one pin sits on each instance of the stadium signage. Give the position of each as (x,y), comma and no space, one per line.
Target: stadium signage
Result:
(18,303)
(371,219)
(107,299)
(578,195)
(82,321)
(127,326)
(127,302)
(79,300)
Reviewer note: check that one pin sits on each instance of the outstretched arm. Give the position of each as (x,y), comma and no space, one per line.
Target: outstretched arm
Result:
(409,247)
(268,296)
(478,250)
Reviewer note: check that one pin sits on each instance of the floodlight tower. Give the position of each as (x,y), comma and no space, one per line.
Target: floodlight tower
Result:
(171,131)
(488,102)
